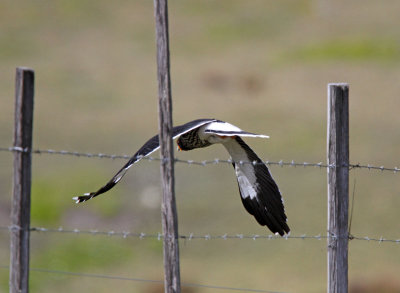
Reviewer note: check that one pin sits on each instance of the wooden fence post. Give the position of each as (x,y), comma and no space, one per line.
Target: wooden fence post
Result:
(168,206)
(338,187)
(21,201)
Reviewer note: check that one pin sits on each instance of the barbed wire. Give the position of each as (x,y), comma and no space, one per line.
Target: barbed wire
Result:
(193,236)
(120,278)
(280,163)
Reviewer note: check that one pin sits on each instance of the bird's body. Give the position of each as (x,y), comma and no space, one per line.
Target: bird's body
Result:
(259,193)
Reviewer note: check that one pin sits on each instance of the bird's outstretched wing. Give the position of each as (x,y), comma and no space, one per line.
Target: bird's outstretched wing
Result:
(259,192)
(149,147)
(222,128)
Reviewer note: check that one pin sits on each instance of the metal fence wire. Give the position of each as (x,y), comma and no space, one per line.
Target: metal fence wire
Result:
(280,163)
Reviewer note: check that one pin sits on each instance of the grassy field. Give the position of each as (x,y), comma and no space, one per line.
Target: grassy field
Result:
(261,65)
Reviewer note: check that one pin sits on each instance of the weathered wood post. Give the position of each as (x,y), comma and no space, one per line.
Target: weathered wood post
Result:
(21,201)
(338,187)
(168,207)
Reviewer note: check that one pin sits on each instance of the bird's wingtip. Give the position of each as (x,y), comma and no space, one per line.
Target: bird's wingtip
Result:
(84,197)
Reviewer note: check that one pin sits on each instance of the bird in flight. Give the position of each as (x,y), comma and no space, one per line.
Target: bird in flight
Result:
(259,193)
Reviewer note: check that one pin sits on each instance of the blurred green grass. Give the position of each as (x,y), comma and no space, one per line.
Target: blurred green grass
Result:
(355,50)
(261,65)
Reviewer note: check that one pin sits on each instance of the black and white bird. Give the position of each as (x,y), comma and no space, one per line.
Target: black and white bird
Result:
(259,193)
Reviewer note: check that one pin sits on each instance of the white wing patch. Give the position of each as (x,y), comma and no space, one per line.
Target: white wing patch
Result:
(222,126)
(226,129)
(245,172)
(247,189)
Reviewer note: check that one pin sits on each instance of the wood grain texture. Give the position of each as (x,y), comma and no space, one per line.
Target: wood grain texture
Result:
(21,202)
(168,208)
(338,187)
